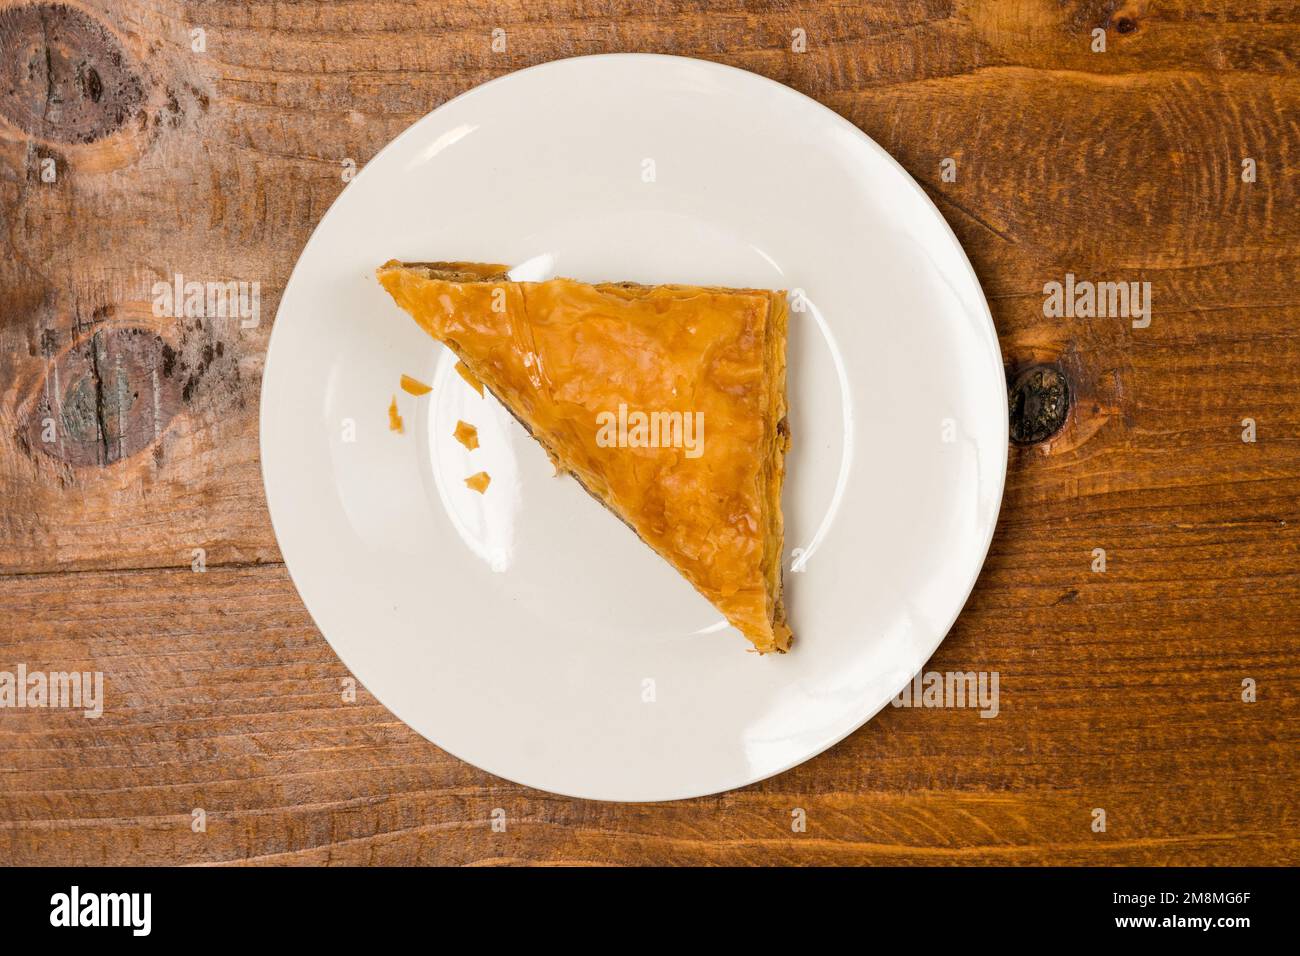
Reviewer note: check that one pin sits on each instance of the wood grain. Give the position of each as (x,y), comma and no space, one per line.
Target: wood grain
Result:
(1120,690)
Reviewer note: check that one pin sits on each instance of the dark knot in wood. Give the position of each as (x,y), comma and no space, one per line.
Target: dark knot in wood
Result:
(107,398)
(1040,403)
(64,76)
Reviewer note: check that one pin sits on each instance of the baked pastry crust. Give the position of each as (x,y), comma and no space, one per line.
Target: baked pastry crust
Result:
(565,357)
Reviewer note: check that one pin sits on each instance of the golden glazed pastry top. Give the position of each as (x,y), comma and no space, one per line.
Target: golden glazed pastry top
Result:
(575,361)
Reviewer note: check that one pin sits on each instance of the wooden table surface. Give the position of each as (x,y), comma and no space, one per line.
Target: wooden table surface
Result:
(133,148)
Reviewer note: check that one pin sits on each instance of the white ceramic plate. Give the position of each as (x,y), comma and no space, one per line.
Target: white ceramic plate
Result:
(529,632)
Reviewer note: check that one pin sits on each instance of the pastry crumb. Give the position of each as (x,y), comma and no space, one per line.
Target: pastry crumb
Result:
(413,386)
(479,482)
(468,376)
(466,434)
(394,419)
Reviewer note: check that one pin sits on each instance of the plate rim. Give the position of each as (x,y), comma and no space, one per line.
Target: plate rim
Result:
(990,327)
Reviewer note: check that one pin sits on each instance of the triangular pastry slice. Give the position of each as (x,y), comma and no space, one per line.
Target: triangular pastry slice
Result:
(667,403)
